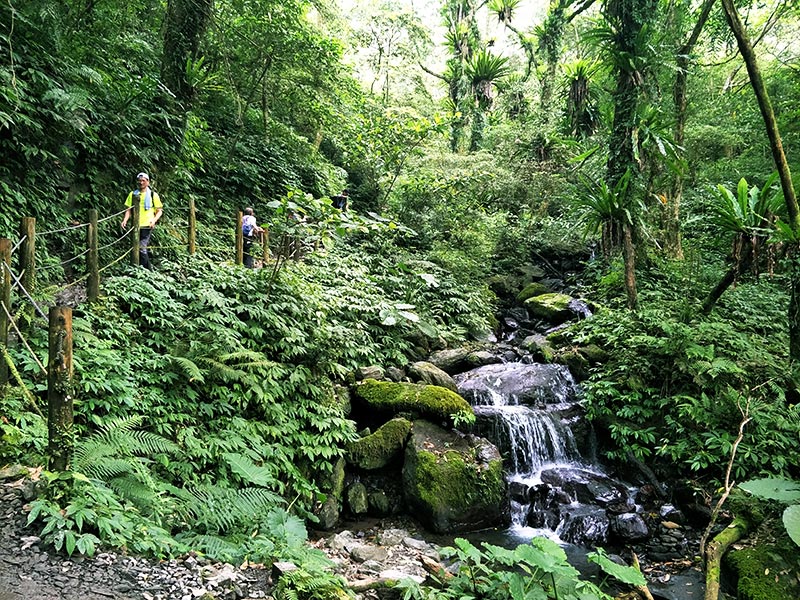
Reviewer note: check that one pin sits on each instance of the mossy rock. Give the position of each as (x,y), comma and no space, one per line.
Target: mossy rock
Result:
(377,450)
(532,290)
(421,401)
(767,571)
(426,372)
(552,307)
(593,353)
(454,483)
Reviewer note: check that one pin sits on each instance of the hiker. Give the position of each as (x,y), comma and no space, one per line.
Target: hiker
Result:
(250,232)
(150,209)
(340,201)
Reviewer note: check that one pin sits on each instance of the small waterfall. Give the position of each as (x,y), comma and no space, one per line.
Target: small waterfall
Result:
(526,411)
(530,438)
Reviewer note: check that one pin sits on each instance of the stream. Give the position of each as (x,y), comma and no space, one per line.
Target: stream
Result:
(532,412)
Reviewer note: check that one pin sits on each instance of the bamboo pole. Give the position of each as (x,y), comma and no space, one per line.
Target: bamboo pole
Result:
(192,227)
(135,232)
(92,260)
(5,299)
(239,239)
(27,255)
(59,388)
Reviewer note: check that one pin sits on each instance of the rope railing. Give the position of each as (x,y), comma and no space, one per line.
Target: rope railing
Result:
(13,324)
(109,217)
(182,231)
(18,283)
(19,243)
(62,230)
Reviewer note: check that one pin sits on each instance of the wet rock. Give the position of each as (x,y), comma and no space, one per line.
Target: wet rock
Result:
(451,360)
(628,527)
(585,486)
(328,514)
(533,384)
(585,526)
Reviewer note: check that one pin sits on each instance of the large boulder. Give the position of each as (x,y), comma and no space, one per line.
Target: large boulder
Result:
(426,372)
(387,398)
(452,482)
(451,360)
(377,450)
(553,307)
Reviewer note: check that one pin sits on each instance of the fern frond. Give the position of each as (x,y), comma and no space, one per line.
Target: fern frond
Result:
(250,472)
(189,368)
(132,488)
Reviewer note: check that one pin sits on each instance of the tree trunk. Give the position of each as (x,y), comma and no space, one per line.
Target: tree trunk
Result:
(778,155)
(186,22)
(672,211)
(715,551)
(629,254)
(626,18)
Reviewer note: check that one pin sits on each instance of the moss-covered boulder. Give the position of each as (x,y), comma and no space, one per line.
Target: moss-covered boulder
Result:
(452,482)
(552,307)
(377,450)
(387,398)
(531,290)
(767,571)
(426,372)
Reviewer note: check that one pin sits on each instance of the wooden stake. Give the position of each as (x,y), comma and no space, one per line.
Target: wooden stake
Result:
(27,254)
(92,259)
(135,232)
(239,239)
(5,299)
(59,388)
(192,227)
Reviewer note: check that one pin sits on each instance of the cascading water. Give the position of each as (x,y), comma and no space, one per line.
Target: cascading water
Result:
(528,411)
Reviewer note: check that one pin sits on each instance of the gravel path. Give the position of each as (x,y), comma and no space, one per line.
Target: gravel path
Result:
(27,572)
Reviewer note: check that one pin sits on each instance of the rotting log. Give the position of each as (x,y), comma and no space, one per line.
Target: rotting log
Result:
(716,550)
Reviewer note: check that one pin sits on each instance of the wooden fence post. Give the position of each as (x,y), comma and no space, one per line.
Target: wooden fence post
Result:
(135,232)
(192,227)
(265,245)
(239,238)
(5,299)
(92,259)
(59,388)
(27,255)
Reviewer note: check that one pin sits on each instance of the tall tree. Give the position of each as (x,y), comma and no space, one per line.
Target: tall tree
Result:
(628,21)
(782,165)
(683,58)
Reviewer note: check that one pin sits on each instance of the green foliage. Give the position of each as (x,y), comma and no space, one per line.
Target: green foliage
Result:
(784,491)
(670,389)
(535,571)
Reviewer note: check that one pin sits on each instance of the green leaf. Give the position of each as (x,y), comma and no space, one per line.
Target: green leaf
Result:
(791,520)
(629,575)
(783,490)
(69,539)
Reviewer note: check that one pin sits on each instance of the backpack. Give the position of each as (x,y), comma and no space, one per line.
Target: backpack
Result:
(247,229)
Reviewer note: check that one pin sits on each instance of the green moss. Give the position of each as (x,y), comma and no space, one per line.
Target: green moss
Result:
(450,481)
(553,307)
(767,571)
(377,450)
(531,290)
(428,401)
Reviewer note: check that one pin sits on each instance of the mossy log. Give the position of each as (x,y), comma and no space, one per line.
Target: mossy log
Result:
(715,551)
